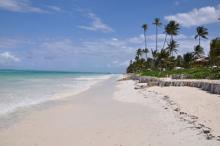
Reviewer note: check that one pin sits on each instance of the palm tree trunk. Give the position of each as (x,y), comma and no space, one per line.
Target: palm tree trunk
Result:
(156,36)
(171,37)
(165,41)
(145,39)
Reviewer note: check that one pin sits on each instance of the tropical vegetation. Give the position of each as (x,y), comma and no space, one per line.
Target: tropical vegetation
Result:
(166,60)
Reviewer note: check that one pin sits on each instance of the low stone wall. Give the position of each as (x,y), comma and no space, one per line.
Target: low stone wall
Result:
(207,85)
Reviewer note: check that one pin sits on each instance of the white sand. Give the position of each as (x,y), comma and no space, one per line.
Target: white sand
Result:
(109,114)
(196,102)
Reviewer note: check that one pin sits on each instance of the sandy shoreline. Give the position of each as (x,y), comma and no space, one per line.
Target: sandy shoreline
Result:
(109,114)
(196,102)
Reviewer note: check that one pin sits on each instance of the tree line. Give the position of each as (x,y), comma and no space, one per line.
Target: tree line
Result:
(166,58)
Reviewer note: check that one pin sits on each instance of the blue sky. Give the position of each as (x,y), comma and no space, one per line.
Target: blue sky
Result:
(94,35)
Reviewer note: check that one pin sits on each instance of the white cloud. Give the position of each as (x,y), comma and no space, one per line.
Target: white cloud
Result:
(112,49)
(97,54)
(96,24)
(12,42)
(6,57)
(201,16)
(19,6)
(121,63)
(55,8)
(25,6)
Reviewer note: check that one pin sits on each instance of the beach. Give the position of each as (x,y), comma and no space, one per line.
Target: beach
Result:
(113,113)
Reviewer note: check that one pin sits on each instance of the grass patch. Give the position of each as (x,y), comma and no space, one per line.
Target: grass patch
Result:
(195,73)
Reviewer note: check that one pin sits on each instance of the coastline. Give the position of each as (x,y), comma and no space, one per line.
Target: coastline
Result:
(10,118)
(109,113)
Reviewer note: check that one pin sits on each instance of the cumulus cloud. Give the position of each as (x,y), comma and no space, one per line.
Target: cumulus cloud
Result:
(201,16)
(96,24)
(6,57)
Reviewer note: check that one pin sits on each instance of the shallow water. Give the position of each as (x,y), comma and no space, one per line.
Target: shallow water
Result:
(25,88)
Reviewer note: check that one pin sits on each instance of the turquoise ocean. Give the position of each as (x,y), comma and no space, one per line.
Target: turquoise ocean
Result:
(19,89)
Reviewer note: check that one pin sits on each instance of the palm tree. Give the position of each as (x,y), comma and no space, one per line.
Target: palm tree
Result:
(144,26)
(198,51)
(157,23)
(154,54)
(172,29)
(201,32)
(138,53)
(214,52)
(166,33)
(162,58)
(172,47)
(179,60)
(146,51)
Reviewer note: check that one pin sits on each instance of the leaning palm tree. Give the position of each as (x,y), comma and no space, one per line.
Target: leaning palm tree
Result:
(145,51)
(144,26)
(166,33)
(201,32)
(172,47)
(157,23)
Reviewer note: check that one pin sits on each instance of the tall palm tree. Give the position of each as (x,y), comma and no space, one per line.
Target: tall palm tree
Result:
(172,47)
(145,51)
(157,23)
(201,32)
(172,29)
(166,28)
(145,27)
